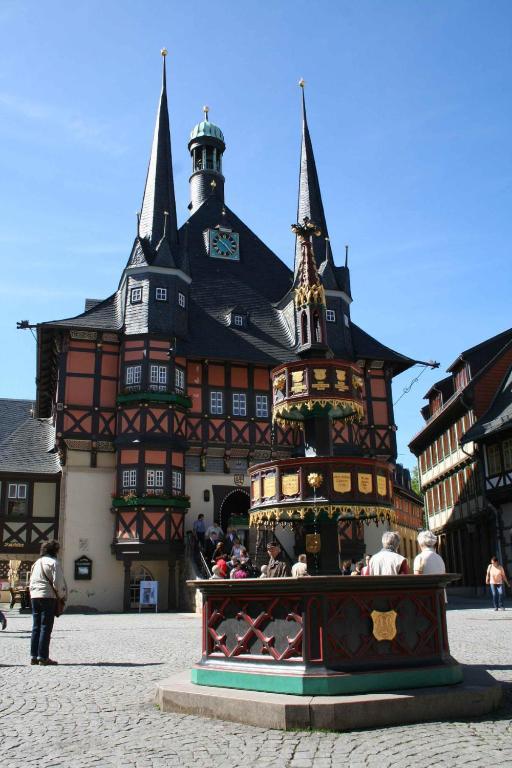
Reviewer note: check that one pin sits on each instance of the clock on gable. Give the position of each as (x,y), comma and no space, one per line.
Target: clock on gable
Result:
(224,244)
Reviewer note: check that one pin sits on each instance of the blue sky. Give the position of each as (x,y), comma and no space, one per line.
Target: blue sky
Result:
(409,107)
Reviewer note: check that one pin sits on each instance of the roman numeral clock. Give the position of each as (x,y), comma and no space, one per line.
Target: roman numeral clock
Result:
(224,244)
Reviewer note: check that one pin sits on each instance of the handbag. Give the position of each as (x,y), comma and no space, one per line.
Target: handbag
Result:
(60,605)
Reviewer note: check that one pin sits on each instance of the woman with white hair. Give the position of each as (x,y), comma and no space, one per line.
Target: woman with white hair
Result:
(428,561)
(388,562)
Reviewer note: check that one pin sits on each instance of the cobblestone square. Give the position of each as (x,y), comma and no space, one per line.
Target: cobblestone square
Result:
(95,708)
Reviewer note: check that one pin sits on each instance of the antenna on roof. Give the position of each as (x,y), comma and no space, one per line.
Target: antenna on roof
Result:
(137,213)
(346,256)
(166,214)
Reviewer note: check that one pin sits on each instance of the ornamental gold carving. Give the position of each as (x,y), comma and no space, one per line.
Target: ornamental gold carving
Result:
(364,482)
(384,624)
(255,490)
(341,380)
(269,486)
(320,375)
(290,484)
(341,482)
(357,381)
(381,485)
(313,543)
(297,382)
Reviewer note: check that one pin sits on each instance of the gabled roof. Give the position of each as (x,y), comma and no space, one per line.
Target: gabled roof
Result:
(368,348)
(444,386)
(12,414)
(30,448)
(481,353)
(104,316)
(498,417)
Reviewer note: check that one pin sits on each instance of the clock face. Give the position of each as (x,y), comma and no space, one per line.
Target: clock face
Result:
(224,244)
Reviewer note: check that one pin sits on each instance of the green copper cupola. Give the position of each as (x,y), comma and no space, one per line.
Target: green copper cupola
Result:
(206,147)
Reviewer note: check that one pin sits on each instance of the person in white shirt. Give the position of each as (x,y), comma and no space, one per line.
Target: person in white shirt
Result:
(301,567)
(47,587)
(388,562)
(428,561)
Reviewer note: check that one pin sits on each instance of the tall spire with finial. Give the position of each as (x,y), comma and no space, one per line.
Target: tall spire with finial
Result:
(158,214)
(310,200)
(309,295)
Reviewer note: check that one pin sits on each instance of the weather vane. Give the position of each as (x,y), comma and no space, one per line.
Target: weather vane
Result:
(206,109)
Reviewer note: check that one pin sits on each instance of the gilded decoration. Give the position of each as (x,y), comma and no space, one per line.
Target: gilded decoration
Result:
(279,382)
(364,482)
(320,375)
(357,381)
(384,624)
(341,482)
(313,294)
(297,382)
(341,380)
(315,479)
(295,411)
(313,543)
(382,485)
(269,486)
(283,514)
(255,489)
(290,484)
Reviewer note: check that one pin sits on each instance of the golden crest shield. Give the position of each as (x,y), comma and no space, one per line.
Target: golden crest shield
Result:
(313,543)
(384,624)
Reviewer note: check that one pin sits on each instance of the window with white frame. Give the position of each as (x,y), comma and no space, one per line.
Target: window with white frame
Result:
(158,377)
(177,481)
(181,299)
(155,479)
(261,406)
(238,320)
(129,478)
(239,404)
(161,294)
(133,374)
(17,499)
(330,315)
(136,295)
(179,379)
(216,402)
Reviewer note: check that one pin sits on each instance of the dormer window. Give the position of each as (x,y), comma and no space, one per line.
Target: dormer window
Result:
(461,378)
(182,300)
(238,320)
(136,296)
(161,294)
(238,317)
(330,315)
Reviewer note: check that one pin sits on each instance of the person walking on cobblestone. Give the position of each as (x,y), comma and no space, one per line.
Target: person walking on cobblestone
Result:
(47,586)
(496,578)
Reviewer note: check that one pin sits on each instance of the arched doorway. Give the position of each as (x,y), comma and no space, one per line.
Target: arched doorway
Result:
(234,509)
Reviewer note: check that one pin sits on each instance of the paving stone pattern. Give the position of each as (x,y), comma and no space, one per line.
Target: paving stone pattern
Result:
(95,709)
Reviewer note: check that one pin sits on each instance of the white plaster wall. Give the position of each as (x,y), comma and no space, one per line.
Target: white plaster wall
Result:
(86,528)
(196,484)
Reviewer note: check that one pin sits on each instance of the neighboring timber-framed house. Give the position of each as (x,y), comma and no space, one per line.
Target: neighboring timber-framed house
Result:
(161,392)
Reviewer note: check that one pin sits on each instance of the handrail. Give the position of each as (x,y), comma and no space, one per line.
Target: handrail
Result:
(193,551)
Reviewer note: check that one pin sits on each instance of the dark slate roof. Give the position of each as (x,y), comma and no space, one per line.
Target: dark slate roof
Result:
(498,417)
(12,414)
(104,316)
(30,448)
(444,386)
(159,189)
(368,348)
(482,353)
(254,284)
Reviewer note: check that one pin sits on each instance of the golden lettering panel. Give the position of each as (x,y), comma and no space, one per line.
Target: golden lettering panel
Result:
(290,485)
(364,482)
(269,486)
(297,381)
(341,380)
(381,485)
(341,482)
(255,488)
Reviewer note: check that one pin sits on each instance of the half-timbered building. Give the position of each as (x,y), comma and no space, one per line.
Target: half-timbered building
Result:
(450,466)
(160,393)
(29,488)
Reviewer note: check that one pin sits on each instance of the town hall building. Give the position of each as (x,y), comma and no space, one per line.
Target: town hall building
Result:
(159,395)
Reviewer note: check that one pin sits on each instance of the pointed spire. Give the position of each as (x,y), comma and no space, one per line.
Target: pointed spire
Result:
(309,295)
(159,190)
(310,200)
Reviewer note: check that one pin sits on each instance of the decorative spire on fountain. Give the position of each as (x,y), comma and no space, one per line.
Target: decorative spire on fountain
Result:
(316,490)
